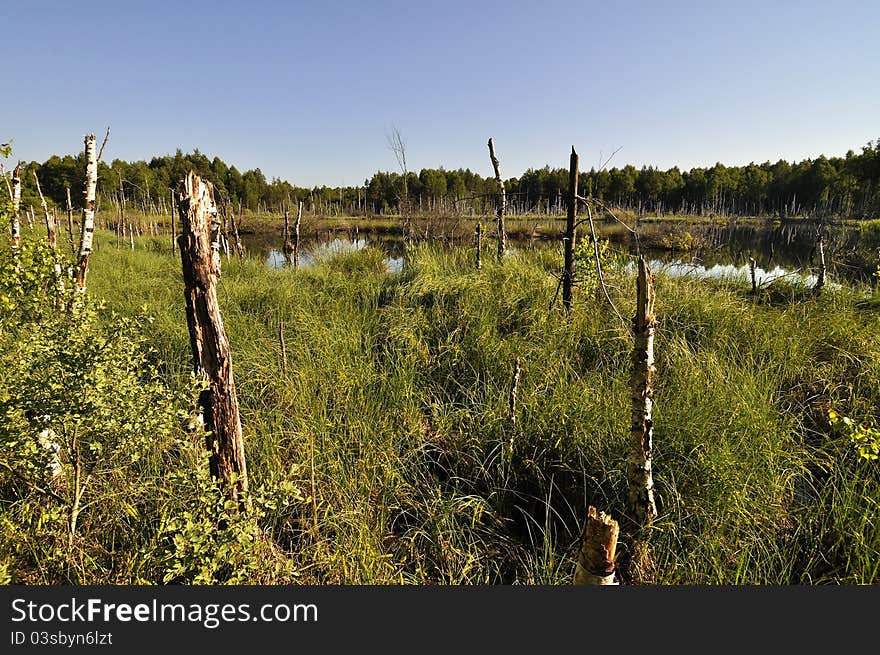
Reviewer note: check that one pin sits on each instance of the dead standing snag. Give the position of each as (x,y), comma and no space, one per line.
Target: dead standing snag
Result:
(212,358)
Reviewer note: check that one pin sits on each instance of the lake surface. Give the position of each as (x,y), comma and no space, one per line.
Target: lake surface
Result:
(698,250)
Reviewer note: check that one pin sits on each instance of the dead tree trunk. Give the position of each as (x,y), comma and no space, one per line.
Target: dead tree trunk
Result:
(570,233)
(479,246)
(16,206)
(597,553)
(122,205)
(502,203)
(641,482)
(50,221)
(235,236)
(173,226)
(53,242)
(70,225)
(299,213)
(88,215)
(288,244)
(820,279)
(199,252)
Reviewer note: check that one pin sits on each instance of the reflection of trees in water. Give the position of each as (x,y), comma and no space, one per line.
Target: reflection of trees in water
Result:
(850,253)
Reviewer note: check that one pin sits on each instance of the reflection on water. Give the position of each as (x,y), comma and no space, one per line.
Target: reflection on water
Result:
(314,251)
(706,251)
(677,268)
(324,249)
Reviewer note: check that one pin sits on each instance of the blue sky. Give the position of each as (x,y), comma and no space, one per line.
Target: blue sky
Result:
(308,91)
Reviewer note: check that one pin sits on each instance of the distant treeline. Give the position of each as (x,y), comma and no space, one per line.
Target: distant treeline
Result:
(846,186)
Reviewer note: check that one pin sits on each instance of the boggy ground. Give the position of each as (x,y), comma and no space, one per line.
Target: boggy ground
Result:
(381,451)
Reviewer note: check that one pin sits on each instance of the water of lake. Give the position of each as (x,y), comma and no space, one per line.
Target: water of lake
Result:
(714,251)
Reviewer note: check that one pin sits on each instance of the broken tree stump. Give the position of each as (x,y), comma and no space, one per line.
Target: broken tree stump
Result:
(642,507)
(570,232)
(199,243)
(598,550)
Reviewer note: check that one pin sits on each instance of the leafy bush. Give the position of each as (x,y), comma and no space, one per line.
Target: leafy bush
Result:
(93,449)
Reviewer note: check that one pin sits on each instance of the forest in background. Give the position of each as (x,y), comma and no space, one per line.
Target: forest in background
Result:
(824,187)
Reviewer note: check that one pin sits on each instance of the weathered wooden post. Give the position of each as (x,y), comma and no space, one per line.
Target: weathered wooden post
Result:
(570,233)
(88,215)
(598,550)
(502,203)
(641,482)
(212,358)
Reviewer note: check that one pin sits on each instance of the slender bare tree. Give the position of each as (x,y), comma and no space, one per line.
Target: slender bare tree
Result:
(88,215)
(398,147)
(502,203)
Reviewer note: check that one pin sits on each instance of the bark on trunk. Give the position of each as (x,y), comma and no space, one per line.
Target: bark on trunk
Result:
(235,236)
(479,246)
(70,224)
(569,242)
(50,220)
(199,251)
(502,203)
(16,206)
(88,215)
(641,482)
(598,550)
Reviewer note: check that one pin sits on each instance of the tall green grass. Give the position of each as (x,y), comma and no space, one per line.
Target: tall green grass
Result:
(394,405)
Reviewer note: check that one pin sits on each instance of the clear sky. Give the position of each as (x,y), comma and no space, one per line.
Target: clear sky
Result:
(308,91)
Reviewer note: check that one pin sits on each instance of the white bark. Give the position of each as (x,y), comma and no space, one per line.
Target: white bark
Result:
(16,206)
(88,215)
(641,481)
